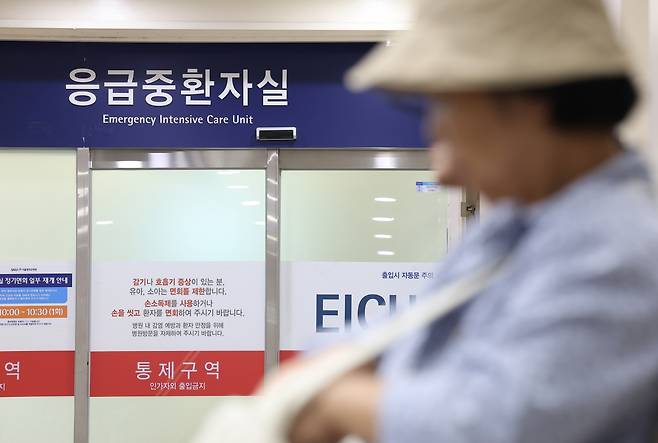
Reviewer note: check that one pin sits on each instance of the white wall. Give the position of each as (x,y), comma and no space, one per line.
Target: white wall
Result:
(615,10)
(202,20)
(635,31)
(652,81)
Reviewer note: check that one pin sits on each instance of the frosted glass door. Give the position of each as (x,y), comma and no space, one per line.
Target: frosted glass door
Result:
(37,295)
(355,245)
(178,298)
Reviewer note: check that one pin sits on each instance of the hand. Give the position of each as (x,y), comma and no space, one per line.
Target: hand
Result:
(347,407)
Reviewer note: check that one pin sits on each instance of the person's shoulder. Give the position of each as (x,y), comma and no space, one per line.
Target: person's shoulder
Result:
(604,249)
(619,221)
(627,216)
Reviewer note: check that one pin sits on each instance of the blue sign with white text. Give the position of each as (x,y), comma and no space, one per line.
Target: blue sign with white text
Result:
(27,295)
(34,288)
(36,280)
(161,95)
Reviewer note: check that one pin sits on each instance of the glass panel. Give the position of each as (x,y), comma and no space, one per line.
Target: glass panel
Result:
(37,234)
(178,298)
(355,245)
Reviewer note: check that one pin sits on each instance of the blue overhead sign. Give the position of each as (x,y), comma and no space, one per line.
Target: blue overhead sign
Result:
(145,95)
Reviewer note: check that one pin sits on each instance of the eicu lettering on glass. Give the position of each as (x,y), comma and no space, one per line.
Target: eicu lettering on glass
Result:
(340,312)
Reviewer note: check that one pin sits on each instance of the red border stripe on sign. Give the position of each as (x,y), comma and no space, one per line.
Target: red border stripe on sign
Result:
(287,355)
(36,373)
(175,373)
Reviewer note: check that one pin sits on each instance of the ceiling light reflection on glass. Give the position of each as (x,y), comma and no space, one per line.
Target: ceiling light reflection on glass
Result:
(385,161)
(385,200)
(383,219)
(385,253)
(384,236)
(129,164)
(250,203)
(105,222)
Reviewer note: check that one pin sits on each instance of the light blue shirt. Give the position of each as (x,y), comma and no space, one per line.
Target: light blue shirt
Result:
(562,347)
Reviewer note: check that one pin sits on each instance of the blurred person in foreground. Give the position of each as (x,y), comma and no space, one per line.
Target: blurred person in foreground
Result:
(563,347)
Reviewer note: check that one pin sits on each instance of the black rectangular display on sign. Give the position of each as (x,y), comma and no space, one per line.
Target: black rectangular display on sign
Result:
(276,134)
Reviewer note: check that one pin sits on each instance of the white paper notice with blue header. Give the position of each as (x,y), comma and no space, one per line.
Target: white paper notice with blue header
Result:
(37,306)
(427,187)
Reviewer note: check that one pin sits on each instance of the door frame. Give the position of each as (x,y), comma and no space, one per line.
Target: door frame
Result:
(273,161)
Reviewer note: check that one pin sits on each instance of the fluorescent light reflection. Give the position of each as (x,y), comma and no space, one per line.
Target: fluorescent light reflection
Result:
(250,203)
(384,236)
(387,253)
(383,219)
(105,222)
(385,200)
(129,164)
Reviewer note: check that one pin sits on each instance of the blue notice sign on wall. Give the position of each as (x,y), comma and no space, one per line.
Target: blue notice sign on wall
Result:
(156,95)
(36,280)
(34,288)
(33,296)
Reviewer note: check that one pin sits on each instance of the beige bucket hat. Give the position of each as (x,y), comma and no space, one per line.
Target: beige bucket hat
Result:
(467,45)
